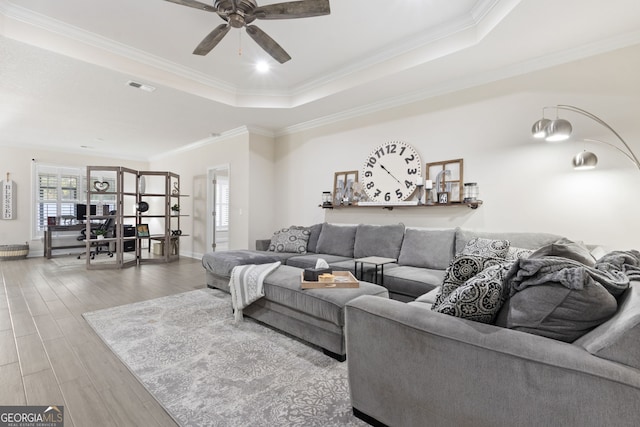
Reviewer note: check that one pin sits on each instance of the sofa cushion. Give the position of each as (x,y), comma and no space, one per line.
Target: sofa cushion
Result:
(565,248)
(378,240)
(462,268)
(314,235)
(292,239)
(486,247)
(282,286)
(427,248)
(555,311)
(406,283)
(337,240)
(617,338)
(222,263)
(310,260)
(521,240)
(479,298)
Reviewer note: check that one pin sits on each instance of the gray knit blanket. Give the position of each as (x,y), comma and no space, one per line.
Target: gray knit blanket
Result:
(613,271)
(247,285)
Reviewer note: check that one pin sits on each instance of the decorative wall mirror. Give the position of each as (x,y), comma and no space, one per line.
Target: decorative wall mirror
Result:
(447,177)
(343,186)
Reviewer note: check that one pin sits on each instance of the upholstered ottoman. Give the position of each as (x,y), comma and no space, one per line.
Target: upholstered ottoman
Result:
(313,315)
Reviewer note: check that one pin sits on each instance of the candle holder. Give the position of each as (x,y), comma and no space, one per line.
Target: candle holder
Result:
(420,189)
(429,188)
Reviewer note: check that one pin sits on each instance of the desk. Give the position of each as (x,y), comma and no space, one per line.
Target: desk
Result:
(378,262)
(48,244)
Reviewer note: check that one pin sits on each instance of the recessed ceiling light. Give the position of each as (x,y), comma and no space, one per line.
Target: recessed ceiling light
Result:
(262,67)
(141,86)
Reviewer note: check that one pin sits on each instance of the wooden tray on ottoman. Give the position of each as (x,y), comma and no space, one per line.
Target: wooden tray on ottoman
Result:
(343,279)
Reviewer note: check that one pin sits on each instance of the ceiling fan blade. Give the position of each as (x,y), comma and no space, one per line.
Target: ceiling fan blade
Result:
(212,39)
(293,9)
(268,44)
(195,4)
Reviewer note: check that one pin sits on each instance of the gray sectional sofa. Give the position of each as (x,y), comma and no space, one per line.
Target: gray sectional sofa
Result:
(423,254)
(412,366)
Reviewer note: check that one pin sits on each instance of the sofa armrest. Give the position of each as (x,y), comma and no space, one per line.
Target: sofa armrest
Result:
(408,364)
(263,244)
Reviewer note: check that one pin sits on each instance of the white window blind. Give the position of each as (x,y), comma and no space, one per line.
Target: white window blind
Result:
(58,190)
(222,204)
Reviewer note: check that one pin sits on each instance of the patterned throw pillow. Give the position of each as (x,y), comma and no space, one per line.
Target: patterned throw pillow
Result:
(292,239)
(479,298)
(486,247)
(462,268)
(515,253)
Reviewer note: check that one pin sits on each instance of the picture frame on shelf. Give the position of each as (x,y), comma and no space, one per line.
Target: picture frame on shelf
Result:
(343,186)
(451,178)
(443,197)
(142,230)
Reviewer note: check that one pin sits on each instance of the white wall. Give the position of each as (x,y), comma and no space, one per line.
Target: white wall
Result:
(526,185)
(250,161)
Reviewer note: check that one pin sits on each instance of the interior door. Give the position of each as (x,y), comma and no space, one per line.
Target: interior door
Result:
(218,198)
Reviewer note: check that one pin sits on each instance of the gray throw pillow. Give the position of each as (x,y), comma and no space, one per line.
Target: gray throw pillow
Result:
(479,298)
(462,268)
(378,240)
(565,248)
(427,248)
(314,235)
(554,311)
(292,239)
(486,247)
(337,240)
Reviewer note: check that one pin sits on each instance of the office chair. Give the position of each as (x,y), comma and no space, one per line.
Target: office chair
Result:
(108,227)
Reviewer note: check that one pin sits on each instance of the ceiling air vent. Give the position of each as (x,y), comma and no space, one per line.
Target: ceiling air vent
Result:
(141,86)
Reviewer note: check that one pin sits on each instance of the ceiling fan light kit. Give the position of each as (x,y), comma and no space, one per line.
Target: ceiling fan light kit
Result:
(241,13)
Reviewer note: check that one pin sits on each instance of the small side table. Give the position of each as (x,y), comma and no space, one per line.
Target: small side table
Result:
(378,262)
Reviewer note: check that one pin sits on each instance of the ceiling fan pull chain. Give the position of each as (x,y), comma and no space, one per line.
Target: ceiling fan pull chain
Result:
(239,43)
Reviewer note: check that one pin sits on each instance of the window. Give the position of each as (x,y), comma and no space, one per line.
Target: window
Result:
(222,204)
(57,192)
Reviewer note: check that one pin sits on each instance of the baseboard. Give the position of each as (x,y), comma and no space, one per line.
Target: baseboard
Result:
(367,419)
(338,357)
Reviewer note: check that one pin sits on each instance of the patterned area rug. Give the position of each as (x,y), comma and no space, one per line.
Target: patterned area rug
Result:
(207,371)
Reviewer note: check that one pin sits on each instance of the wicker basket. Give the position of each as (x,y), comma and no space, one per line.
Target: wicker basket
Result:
(10,252)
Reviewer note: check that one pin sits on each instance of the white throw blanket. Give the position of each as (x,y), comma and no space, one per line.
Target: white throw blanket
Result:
(246,285)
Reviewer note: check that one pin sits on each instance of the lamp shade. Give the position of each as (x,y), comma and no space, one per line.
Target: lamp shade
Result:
(539,128)
(558,130)
(585,160)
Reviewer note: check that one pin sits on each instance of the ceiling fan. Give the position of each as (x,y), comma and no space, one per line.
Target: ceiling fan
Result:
(241,13)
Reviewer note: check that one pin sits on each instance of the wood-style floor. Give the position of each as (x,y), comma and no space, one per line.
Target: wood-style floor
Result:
(50,356)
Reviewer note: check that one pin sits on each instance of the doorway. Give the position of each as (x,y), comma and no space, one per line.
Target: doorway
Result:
(218,195)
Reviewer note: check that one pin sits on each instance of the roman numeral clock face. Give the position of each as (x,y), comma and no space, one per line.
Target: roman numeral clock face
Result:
(390,172)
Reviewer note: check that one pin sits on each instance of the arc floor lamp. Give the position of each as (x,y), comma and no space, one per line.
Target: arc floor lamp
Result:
(555,130)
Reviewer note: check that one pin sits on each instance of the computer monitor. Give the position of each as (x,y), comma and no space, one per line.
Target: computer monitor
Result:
(81,211)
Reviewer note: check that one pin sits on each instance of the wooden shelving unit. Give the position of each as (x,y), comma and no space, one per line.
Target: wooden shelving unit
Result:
(123,190)
(161,190)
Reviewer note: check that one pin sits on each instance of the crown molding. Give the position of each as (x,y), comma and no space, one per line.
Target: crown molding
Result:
(312,89)
(548,61)
(214,139)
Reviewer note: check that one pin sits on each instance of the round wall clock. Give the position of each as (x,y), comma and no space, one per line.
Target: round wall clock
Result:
(390,172)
